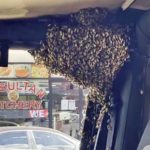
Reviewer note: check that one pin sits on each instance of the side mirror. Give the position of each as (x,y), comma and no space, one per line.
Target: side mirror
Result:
(145,140)
(146,147)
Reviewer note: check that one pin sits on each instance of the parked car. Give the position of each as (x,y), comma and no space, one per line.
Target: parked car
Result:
(35,138)
(8,123)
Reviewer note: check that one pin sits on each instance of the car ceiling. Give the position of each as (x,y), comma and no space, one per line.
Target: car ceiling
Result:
(23,23)
(32,8)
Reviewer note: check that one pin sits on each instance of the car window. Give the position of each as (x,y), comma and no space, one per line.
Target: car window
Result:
(17,139)
(50,139)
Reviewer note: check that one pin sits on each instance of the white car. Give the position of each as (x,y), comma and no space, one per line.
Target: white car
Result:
(35,138)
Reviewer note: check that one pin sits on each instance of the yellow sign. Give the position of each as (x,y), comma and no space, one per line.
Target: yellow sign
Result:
(39,71)
(6,71)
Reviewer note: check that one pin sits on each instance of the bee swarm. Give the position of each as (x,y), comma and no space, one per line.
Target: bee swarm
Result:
(89,49)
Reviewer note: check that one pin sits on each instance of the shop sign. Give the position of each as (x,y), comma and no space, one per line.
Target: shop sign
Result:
(38,113)
(22,87)
(20,105)
(24,71)
(22,114)
(39,71)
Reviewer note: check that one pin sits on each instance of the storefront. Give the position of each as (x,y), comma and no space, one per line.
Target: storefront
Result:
(29,97)
(22,94)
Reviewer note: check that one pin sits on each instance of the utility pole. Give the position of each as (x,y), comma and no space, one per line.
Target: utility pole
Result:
(80,106)
(50,104)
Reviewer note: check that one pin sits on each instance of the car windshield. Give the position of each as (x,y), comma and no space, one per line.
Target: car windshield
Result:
(51,139)
(16,139)
(78,67)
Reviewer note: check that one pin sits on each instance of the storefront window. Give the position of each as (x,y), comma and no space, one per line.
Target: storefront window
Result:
(23,90)
(68,107)
(26,99)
